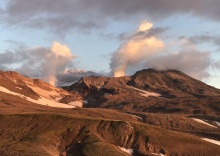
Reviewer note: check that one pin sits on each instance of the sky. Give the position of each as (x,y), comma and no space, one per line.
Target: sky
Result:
(118,37)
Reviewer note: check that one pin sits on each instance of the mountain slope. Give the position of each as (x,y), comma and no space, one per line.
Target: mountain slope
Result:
(150,91)
(36,91)
(171,82)
(127,128)
(47,134)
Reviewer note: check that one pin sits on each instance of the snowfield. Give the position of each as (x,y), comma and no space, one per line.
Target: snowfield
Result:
(145,93)
(43,101)
(212,141)
(18,88)
(128,151)
(76,103)
(160,154)
(203,122)
(217,123)
(44,93)
(135,116)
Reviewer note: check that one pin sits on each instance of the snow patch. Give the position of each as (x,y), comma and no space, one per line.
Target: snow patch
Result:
(41,100)
(58,99)
(128,151)
(217,123)
(5,90)
(85,102)
(19,88)
(50,103)
(44,93)
(212,141)
(145,93)
(160,154)
(76,103)
(135,116)
(203,122)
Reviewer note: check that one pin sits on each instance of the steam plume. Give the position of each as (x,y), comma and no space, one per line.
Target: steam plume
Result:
(135,50)
(56,62)
(37,62)
(144,50)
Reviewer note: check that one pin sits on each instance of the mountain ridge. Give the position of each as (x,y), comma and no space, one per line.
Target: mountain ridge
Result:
(147,76)
(135,92)
(35,90)
(119,116)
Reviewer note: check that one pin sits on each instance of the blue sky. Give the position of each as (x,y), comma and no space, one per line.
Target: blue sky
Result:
(95,30)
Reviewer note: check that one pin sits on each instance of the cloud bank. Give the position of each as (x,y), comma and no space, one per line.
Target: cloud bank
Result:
(144,50)
(48,62)
(62,16)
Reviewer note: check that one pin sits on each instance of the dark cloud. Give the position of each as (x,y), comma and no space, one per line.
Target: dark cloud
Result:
(197,39)
(205,38)
(153,32)
(159,31)
(89,14)
(22,58)
(123,36)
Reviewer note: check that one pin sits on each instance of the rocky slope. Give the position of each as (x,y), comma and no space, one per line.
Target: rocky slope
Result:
(150,91)
(171,82)
(48,134)
(36,91)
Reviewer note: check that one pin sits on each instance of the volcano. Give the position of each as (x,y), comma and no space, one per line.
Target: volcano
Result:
(150,90)
(149,113)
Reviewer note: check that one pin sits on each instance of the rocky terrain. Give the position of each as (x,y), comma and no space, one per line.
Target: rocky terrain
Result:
(149,113)
(170,92)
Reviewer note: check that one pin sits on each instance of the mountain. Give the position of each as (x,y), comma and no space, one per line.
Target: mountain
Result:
(149,113)
(36,91)
(150,91)
(170,82)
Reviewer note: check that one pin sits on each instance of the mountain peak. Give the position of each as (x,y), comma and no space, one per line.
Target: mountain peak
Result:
(152,70)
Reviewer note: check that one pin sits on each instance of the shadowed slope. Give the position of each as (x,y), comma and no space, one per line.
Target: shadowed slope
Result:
(150,91)
(54,134)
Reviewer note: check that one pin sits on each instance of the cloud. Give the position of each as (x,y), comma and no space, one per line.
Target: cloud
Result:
(85,15)
(189,60)
(136,49)
(143,34)
(199,39)
(148,51)
(39,60)
(217,65)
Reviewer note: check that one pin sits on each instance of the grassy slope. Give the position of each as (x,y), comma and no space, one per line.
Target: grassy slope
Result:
(43,134)
(28,128)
